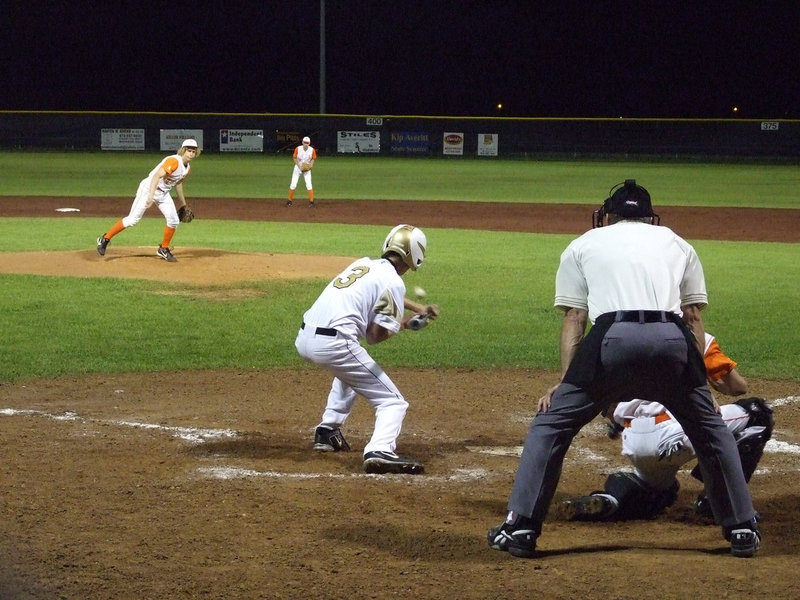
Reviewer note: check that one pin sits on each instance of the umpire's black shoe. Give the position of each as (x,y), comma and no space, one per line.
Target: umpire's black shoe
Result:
(330,440)
(381,462)
(745,542)
(745,538)
(102,242)
(517,542)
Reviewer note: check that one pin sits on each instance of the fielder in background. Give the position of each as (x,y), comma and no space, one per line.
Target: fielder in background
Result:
(304,157)
(643,288)
(366,301)
(155,188)
(657,447)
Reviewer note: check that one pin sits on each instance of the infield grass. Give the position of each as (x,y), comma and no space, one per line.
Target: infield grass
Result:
(495,290)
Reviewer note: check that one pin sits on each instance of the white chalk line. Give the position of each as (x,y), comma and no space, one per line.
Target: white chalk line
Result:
(200,435)
(190,434)
(457,476)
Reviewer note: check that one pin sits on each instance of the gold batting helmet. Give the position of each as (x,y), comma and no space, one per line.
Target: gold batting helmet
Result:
(409,242)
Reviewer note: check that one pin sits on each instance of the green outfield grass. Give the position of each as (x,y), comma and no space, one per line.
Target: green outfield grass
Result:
(495,290)
(374,177)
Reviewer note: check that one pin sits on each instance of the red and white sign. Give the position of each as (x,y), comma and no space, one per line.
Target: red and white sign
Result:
(453,143)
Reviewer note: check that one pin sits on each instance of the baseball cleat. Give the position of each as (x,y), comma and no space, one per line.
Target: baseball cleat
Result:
(517,542)
(702,507)
(288,203)
(381,462)
(311,204)
(330,440)
(102,242)
(166,254)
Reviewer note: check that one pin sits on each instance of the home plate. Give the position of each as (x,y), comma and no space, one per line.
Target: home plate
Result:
(68,210)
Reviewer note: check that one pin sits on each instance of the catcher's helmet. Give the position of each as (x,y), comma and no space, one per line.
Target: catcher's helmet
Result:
(627,200)
(409,243)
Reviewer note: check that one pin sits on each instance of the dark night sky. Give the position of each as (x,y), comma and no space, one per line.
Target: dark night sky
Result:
(605,58)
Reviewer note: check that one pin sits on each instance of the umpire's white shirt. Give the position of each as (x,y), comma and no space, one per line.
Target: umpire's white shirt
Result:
(622,266)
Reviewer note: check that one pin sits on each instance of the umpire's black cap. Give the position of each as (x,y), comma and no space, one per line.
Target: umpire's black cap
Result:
(629,200)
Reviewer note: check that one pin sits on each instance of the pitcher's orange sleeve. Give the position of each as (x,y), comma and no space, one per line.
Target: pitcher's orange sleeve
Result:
(170,164)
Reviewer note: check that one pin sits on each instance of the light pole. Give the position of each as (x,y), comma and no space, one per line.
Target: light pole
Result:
(322,57)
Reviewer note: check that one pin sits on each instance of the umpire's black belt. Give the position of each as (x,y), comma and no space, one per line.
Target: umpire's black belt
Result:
(322,330)
(637,316)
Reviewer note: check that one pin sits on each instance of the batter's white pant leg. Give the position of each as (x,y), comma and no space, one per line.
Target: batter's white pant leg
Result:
(295,177)
(139,206)
(307,179)
(340,403)
(358,370)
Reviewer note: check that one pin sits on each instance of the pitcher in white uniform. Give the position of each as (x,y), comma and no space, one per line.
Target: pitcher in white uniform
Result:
(366,301)
(155,189)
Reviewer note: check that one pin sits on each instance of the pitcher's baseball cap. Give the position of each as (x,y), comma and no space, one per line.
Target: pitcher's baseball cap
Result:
(190,143)
(307,140)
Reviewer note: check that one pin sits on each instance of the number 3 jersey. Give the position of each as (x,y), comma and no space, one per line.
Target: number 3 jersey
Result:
(368,290)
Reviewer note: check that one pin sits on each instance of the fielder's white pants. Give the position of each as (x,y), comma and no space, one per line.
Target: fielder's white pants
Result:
(647,443)
(296,173)
(355,372)
(162,199)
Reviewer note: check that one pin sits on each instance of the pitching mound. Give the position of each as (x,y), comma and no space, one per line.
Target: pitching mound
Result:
(196,266)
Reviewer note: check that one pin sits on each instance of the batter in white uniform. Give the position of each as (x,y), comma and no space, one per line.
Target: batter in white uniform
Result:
(365,301)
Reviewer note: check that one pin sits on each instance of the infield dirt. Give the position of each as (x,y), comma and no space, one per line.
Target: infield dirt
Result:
(167,486)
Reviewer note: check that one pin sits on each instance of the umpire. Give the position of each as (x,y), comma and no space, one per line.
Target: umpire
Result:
(642,286)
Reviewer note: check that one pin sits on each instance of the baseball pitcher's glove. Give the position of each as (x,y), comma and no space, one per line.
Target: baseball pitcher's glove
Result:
(185,214)
(305,167)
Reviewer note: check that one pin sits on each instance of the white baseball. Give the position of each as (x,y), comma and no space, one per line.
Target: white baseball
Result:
(419,292)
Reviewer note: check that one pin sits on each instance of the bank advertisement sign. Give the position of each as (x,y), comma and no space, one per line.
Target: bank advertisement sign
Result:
(241,140)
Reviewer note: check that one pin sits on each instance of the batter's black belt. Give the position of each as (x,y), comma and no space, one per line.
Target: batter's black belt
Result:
(637,316)
(322,330)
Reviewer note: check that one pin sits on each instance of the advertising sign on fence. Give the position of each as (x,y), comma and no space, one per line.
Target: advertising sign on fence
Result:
(487,144)
(122,139)
(171,139)
(358,141)
(410,142)
(453,143)
(241,140)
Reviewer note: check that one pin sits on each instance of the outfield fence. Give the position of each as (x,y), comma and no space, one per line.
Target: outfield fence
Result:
(406,135)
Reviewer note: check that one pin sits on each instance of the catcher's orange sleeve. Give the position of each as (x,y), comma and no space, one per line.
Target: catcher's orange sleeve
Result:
(718,364)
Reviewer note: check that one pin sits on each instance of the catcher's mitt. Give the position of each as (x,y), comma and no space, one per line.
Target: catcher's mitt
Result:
(305,167)
(185,214)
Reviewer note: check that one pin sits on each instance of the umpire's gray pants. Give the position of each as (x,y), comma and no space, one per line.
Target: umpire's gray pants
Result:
(639,360)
